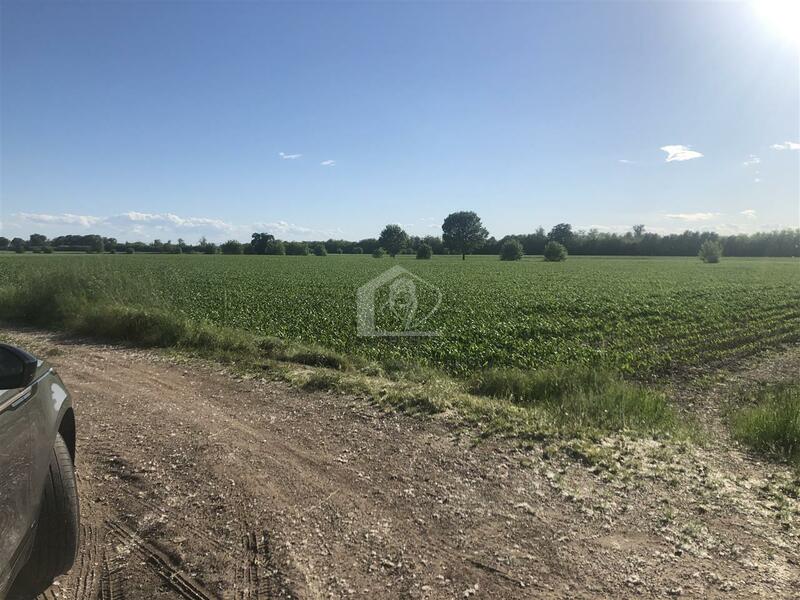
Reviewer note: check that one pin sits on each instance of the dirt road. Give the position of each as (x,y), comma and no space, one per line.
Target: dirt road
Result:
(196,484)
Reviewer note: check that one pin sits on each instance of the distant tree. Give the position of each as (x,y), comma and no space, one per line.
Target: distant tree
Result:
(297,248)
(358,250)
(320,249)
(37,240)
(209,248)
(511,250)
(368,245)
(130,250)
(424,251)
(96,244)
(47,249)
(555,252)
(4,242)
(710,251)
(435,242)
(638,231)
(463,232)
(232,247)
(261,242)
(561,233)
(18,245)
(393,239)
(379,253)
(277,248)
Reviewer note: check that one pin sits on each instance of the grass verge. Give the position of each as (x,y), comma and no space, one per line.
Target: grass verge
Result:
(770,423)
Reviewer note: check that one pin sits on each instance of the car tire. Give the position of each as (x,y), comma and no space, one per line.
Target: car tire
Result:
(58,531)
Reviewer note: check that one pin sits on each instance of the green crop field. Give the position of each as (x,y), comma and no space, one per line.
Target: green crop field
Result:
(643,316)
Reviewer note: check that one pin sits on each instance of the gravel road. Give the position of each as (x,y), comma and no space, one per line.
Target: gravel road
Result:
(199,484)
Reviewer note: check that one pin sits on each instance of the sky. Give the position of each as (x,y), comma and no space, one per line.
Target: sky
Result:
(143,120)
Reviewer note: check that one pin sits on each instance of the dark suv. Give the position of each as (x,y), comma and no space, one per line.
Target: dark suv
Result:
(39,516)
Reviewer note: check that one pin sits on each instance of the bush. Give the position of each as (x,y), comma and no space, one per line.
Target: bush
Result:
(47,250)
(555,252)
(710,251)
(130,251)
(771,424)
(358,250)
(511,250)
(379,253)
(424,251)
(320,250)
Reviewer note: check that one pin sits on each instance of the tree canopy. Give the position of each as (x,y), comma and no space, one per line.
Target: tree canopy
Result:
(463,232)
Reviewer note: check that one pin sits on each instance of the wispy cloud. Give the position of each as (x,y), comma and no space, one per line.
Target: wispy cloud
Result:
(328,163)
(147,226)
(786,146)
(285,156)
(625,161)
(749,213)
(62,219)
(170,219)
(692,217)
(751,160)
(679,152)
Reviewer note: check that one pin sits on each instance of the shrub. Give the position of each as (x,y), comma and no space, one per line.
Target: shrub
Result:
(130,250)
(424,251)
(710,251)
(511,250)
(771,424)
(48,250)
(320,250)
(358,250)
(379,253)
(555,252)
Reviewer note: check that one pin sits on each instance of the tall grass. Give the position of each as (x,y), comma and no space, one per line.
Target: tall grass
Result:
(578,398)
(771,423)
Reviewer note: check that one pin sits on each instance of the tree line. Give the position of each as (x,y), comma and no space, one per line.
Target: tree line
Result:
(462,234)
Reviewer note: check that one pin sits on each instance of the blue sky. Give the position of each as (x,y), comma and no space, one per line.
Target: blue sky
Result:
(148,120)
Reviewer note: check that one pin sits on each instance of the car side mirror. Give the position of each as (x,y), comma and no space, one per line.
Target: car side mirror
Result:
(17,368)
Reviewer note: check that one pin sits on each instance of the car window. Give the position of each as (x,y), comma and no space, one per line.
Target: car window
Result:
(10,365)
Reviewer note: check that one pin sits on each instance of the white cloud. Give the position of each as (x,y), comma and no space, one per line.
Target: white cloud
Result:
(679,152)
(62,219)
(749,213)
(786,146)
(285,156)
(698,216)
(757,180)
(625,161)
(751,160)
(170,219)
(328,163)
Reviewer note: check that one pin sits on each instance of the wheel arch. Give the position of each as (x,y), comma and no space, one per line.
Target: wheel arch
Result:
(67,430)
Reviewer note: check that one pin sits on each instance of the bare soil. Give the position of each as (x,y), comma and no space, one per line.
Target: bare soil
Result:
(198,483)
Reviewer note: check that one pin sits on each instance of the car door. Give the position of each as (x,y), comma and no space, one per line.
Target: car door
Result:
(16,504)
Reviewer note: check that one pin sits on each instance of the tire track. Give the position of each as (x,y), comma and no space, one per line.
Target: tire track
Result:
(259,578)
(160,564)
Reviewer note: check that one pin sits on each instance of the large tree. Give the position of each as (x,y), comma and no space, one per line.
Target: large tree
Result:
(561,233)
(393,239)
(463,232)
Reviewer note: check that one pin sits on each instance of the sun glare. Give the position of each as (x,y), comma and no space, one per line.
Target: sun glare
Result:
(783,16)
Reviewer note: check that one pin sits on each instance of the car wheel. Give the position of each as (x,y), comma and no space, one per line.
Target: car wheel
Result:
(57,534)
